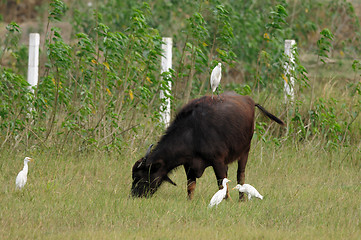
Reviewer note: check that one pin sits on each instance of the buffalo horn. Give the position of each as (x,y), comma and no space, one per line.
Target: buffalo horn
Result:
(148,151)
(146,155)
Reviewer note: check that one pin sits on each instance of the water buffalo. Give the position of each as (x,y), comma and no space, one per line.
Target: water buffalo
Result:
(206,132)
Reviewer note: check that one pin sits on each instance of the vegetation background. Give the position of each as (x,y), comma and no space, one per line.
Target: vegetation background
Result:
(97,108)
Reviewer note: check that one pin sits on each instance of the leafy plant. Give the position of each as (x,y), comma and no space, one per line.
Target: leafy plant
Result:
(100,90)
(11,39)
(324,44)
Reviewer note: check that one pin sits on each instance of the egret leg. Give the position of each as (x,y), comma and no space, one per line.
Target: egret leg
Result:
(228,196)
(218,97)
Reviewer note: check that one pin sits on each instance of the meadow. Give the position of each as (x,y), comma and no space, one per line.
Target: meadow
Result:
(308,194)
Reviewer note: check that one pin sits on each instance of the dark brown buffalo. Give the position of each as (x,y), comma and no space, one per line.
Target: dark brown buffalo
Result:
(206,132)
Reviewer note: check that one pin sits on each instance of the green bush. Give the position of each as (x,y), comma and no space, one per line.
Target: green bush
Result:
(99,91)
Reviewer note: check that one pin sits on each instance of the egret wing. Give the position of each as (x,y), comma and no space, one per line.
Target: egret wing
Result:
(20,179)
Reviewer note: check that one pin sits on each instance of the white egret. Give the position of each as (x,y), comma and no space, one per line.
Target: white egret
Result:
(216,77)
(23,174)
(249,190)
(218,197)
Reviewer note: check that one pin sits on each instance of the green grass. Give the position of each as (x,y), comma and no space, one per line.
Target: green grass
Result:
(309,194)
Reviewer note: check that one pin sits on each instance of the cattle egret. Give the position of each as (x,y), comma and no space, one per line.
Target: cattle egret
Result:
(23,174)
(218,197)
(249,190)
(216,77)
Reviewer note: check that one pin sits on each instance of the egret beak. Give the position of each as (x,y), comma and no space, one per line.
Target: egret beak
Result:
(233,188)
(31,160)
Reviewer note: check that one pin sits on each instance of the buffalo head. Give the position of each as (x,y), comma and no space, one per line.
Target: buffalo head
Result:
(148,174)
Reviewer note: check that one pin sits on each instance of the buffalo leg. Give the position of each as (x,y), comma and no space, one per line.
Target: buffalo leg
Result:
(221,172)
(241,172)
(191,182)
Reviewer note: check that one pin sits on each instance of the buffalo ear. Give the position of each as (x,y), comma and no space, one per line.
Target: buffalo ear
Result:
(167,179)
(138,164)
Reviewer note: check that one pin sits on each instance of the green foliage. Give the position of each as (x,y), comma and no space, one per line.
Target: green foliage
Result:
(243,90)
(11,39)
(14,99)
(91,91)
(277,20)
(323,122)
(14,91)
(57,11)
(100,88)
(324,44)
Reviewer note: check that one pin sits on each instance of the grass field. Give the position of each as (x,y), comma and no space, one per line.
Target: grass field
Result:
(309,194)
(309,174)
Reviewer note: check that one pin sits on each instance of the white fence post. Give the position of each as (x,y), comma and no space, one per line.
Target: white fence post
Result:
(166,64)
(33,64)
(288,78)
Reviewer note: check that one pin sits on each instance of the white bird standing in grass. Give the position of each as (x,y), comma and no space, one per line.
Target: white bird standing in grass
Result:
(249,190)
(23,174)
(220,195)
(216,77)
